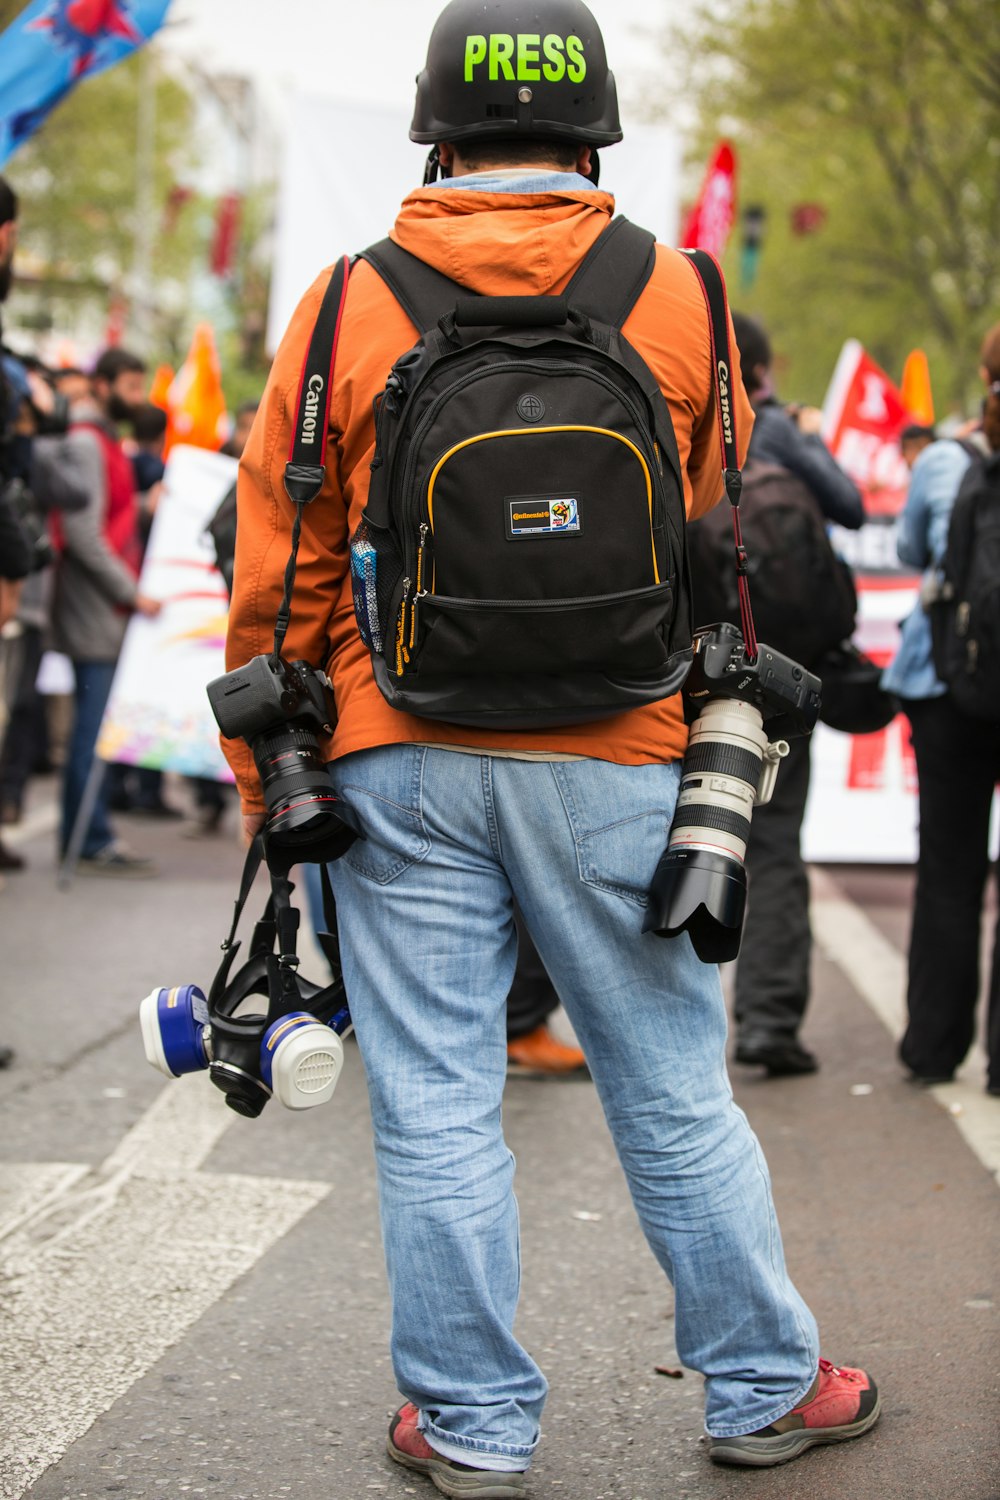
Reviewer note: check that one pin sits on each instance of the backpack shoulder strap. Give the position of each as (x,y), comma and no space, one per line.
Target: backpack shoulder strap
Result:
(425,295)
(613,274)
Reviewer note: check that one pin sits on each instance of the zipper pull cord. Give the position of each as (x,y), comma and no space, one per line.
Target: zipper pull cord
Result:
(420,577)
(402,655)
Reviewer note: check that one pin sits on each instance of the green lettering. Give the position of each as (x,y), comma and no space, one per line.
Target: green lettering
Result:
(577,68)
(475,53)
(501,52)
(528,70)
(555,68)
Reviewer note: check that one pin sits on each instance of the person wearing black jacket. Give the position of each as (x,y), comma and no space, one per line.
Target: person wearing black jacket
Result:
(773,972)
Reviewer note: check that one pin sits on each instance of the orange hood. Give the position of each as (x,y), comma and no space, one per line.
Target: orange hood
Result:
(503,244)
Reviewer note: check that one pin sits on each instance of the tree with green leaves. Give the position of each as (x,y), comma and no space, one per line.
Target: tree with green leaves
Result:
(886,116)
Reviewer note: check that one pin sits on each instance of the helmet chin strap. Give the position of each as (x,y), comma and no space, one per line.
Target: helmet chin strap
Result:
(433,168)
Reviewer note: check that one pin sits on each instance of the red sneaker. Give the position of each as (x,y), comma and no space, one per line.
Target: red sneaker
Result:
(407,1445)
(841,1404)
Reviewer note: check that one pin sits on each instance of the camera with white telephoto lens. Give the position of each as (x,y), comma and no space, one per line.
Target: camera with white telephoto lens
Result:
(744,711)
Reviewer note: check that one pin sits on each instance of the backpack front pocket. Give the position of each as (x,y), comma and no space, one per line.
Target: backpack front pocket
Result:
(548,636)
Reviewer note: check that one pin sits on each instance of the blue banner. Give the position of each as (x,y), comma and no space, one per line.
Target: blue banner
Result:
(55,43)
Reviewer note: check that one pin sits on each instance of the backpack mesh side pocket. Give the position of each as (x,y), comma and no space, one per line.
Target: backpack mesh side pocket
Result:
(376,570)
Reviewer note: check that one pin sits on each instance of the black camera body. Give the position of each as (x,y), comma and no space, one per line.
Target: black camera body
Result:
(282,709)
(786,696)
(269,691)
(741,712)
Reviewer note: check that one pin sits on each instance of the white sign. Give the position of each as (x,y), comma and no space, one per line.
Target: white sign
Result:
(862,806)
(158,714)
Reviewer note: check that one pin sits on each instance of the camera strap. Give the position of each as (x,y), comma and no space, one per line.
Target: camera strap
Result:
(275,972)
(305,471)
(713,287)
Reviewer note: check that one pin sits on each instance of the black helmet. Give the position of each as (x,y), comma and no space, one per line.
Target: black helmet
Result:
(510,68)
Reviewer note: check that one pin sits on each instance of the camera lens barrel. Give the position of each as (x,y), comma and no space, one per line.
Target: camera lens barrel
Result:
(297,789)
(719,779)
(700,882)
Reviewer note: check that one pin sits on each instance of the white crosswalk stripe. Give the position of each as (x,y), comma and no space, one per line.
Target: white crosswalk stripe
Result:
(103,1270)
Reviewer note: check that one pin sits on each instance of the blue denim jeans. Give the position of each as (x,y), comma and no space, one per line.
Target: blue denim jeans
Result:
(93,688)
(425,913)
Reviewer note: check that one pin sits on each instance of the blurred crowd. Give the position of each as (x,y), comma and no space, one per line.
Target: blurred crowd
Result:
(81,474)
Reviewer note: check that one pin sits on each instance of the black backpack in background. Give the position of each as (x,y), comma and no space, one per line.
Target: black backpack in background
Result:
(804,600)
(521,562)
(222,529)
(965,615)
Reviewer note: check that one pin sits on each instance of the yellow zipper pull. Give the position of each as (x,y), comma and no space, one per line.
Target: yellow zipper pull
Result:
(402,655)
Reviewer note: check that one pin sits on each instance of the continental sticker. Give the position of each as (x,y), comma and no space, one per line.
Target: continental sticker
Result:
(538,515)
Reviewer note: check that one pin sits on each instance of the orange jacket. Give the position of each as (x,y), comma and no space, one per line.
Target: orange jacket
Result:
(497,244)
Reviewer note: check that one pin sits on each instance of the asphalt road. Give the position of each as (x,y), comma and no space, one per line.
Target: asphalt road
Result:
(194,1304)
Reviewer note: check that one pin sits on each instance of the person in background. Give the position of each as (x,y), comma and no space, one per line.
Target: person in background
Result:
(15,563)
(95,593)
(773,970)
(139,789)
(913,440)
(242,423)
(533,1049)
(36,477)
(71,383)
(212,797)
(958,767)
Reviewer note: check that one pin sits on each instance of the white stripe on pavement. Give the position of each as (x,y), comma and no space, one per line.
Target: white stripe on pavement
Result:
(877,971)
(105,1270)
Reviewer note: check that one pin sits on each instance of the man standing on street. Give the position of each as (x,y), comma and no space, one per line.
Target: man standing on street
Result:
(460,822)
(95,593)
(773,972)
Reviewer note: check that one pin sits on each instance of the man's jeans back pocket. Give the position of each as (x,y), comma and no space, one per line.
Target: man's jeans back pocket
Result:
(620,817)
(383,788)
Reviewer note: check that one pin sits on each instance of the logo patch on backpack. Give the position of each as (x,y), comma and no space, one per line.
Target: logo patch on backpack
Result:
(538,515)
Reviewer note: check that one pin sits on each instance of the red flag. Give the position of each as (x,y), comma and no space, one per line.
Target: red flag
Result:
(227,228)
(863,415)
(709,222)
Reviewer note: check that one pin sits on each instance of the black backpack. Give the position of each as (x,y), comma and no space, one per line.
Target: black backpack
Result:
(804,601)
(521,562)
(222,529)
(965,618)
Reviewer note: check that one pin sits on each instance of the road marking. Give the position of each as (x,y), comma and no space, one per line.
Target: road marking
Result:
(877,971)
(103,1270)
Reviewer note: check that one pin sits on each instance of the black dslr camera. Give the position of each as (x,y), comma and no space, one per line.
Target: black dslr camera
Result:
(743,713)
(281,709)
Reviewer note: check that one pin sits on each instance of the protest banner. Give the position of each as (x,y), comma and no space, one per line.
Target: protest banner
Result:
(158,714)
(862,802)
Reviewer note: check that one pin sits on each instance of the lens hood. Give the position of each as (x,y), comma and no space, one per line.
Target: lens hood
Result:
(703,894)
